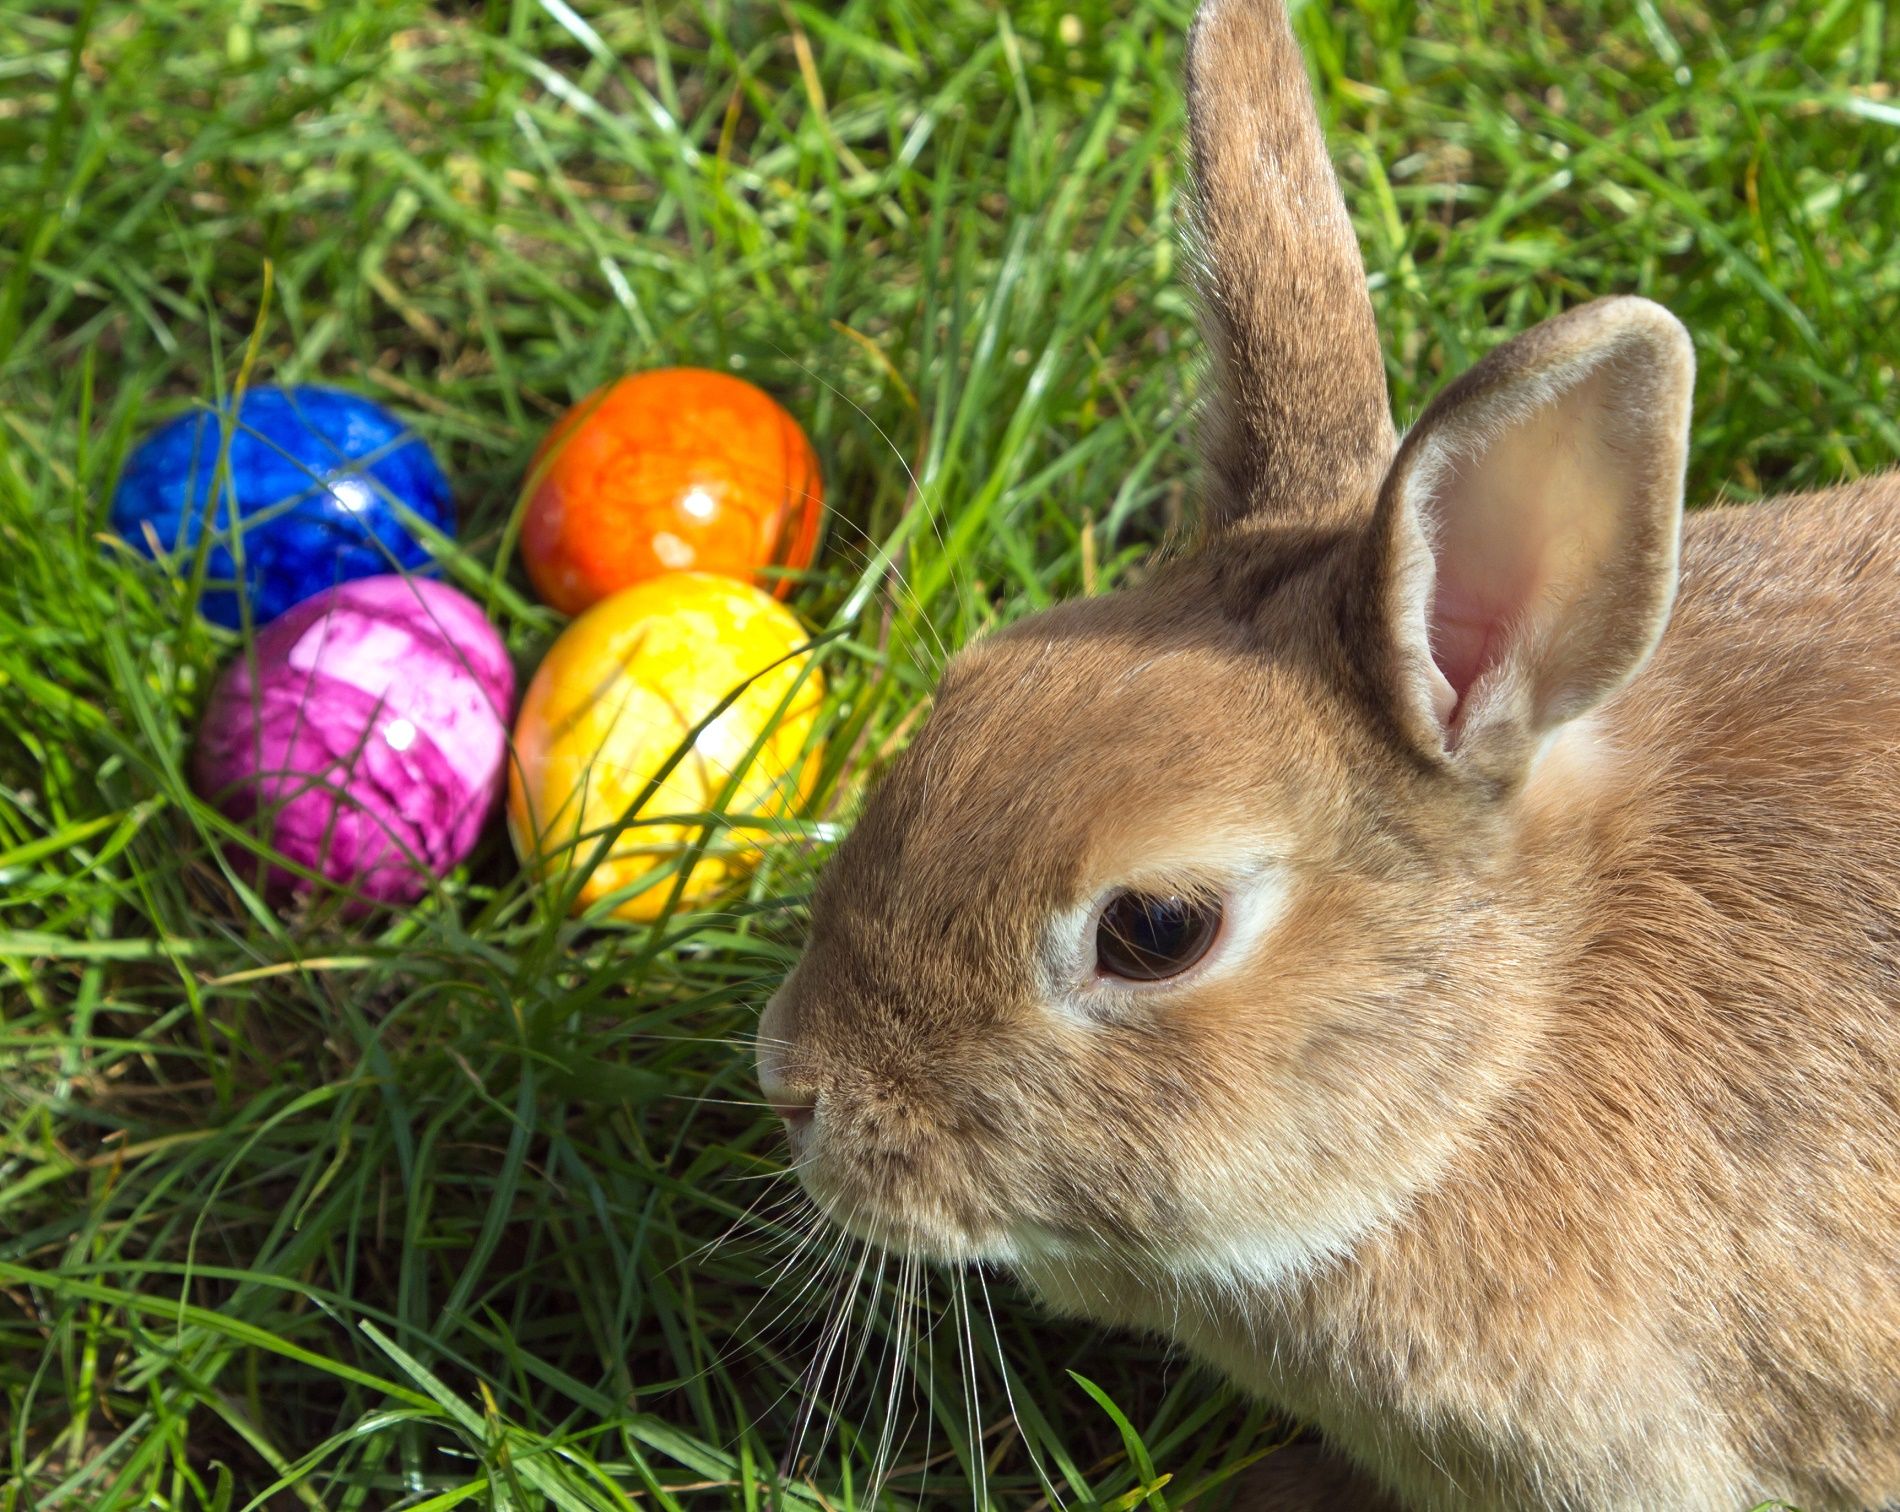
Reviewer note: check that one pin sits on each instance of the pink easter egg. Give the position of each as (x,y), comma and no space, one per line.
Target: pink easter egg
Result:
(365,736)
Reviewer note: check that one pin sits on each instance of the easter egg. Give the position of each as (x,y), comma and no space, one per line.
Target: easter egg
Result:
(674,470)
(317,487)
(363,735)
(620,694)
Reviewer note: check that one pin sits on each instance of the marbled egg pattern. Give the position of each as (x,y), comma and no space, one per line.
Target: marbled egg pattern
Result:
(371,740)
(672,470)
(609,707)
(314,475)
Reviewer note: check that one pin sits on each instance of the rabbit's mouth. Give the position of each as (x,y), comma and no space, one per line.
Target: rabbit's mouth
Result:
(921,1203)
(912,1225)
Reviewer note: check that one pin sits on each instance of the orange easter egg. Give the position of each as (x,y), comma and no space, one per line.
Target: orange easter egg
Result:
(674,470)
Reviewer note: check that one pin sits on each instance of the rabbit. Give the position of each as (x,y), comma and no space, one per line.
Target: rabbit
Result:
(1431,948)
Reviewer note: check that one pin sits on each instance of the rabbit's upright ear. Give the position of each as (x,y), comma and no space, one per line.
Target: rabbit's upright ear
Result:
(1298,429)
(1524,550)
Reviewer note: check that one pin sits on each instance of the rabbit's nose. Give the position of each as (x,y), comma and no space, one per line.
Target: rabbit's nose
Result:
(797,1106)
(778,1026)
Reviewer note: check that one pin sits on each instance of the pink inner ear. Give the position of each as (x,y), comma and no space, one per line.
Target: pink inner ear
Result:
(1466,631)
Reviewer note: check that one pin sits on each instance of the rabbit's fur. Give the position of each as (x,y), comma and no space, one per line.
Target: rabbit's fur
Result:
(1533,1129)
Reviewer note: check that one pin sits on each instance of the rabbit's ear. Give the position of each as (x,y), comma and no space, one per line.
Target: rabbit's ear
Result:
(1526,539)
(1299,428)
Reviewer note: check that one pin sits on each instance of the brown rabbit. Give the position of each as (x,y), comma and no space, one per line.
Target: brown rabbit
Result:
(1373,953)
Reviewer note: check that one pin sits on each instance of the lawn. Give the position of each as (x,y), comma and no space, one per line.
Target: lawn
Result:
(471,1205)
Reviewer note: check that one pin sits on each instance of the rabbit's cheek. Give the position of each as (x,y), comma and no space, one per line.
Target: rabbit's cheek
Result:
(1571,768)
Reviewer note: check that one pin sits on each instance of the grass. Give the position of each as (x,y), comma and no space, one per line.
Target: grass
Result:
(426,1210)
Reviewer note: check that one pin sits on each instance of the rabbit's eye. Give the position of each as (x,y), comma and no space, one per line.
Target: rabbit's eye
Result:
(1143,937)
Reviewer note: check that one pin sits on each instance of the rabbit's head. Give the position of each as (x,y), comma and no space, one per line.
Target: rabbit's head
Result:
(1183,933)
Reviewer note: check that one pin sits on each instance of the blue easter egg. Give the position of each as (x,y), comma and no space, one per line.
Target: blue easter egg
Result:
(318,480)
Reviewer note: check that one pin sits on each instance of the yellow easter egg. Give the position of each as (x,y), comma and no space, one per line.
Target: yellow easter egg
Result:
(619,694)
